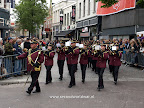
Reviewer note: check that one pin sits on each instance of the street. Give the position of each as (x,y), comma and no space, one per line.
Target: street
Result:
(128,93)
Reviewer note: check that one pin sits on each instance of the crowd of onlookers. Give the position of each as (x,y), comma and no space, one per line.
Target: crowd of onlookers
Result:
(10,47)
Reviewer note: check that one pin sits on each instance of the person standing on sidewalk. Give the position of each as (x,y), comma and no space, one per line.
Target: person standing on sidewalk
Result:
(34,59)
(9,50)
(17,63)
(61,59)
(49,55)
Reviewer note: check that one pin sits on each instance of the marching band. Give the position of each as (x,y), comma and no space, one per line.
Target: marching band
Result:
(97,54)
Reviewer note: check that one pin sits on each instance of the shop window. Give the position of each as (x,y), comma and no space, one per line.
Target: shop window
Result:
(79,10)
(88,7)
(84,8)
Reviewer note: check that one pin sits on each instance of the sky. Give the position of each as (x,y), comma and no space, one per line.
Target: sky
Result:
(16,1)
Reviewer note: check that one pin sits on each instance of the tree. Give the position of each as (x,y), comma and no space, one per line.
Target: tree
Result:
(31,14)
(108,3)
(140,3)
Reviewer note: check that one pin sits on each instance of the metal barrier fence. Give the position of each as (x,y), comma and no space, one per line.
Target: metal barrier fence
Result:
(9,66)
(133,58)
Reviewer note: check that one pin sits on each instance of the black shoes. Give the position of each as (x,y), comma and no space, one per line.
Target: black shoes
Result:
(70,86)
(29,92)
(99,88)
(37,91)
(48,82)
(83,81)
(60,78)
(115,82)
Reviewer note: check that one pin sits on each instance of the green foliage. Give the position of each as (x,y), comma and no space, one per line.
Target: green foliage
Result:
(31,14)
(140,3)
(108,3)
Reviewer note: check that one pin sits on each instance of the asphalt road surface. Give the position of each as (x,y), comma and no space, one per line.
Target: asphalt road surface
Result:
(128,93)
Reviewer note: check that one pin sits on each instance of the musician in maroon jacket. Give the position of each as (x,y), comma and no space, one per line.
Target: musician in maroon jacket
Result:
(101,64)
(72,54)
(49,55)
(61,59)
(115,62)
(84,61)
(34,59)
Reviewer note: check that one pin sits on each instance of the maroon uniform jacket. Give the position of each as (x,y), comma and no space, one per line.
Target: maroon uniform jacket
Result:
(102,59)
(61,54)
(31,56)
(49,55)
(84,57)
(115,59)
(73,56)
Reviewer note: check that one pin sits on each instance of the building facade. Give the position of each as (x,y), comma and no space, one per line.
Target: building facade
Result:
(48,24)
(64,23)
(124,24)
(4,17)
(87,23)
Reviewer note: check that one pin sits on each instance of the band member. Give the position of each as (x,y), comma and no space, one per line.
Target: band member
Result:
(49,55)
(90,56)
(61,59)
(84,61)
(72,53)
(94,61)
(34,59)
(115,62)
(77,56)
(109,57)
(101,64)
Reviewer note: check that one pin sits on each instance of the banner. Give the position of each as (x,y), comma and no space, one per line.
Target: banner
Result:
(120,6)
(73,13)
(61,17)
(12,3)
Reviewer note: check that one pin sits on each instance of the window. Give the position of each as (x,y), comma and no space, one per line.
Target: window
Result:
(67,19)
(2,21)
(94,8)
(88,7)
(79,10)
(5,3)
(70,18)
(84,8)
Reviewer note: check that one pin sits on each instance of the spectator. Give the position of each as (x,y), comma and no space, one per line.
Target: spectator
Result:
(27,44)
(8,47)
(1,47)
(17,63)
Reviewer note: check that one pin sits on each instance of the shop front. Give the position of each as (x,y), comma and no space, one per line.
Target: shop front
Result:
(88,29)
(123,25)
(4,22)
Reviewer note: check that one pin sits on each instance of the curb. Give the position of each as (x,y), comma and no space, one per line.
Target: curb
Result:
(10,83)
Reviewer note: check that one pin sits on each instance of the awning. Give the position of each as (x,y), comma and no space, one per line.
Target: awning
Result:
(5,27)
(63,33)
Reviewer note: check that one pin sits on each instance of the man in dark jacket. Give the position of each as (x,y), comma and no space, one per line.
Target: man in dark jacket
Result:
(17,63)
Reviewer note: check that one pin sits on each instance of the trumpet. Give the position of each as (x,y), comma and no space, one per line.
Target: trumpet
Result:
(66,48)
(112,52)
